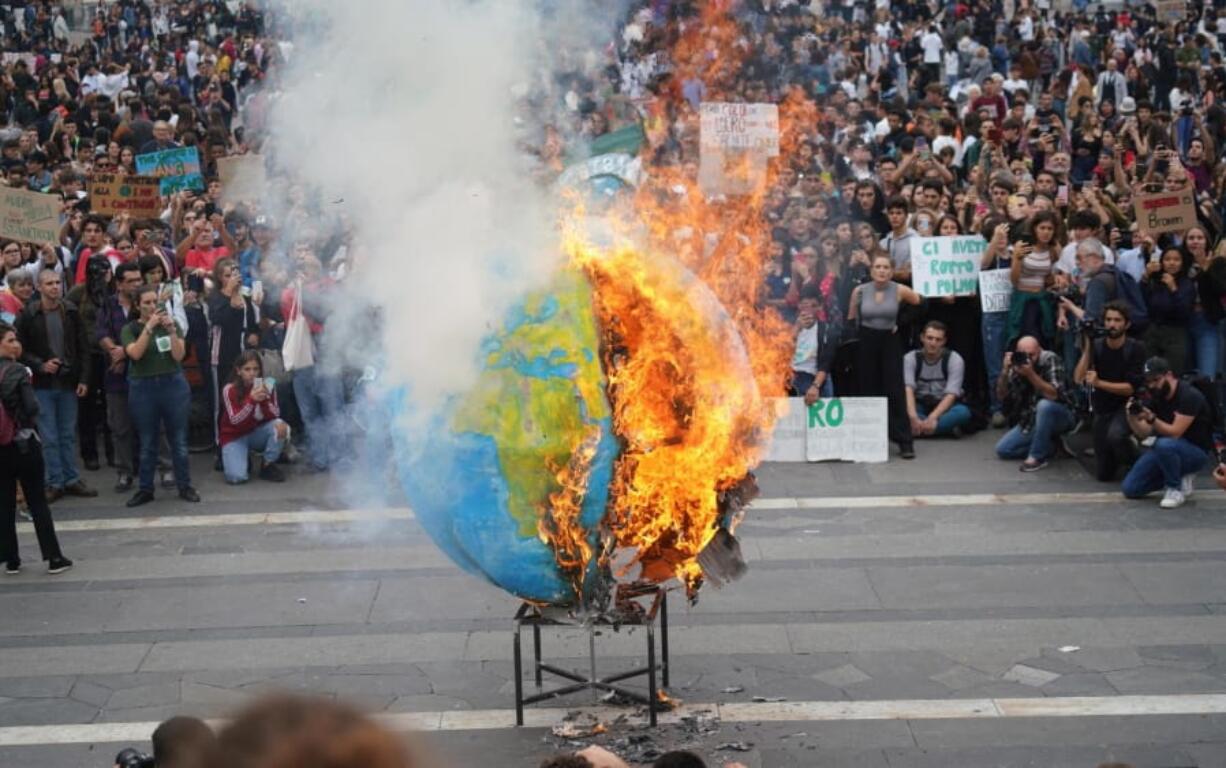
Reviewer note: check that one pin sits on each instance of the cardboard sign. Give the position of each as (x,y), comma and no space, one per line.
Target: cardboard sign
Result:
(243,178)
(946,266)
(177,169)
(1170,11)
(137,196)
(791,428)
(29,216)
(995,290)
(735,142)
(740,126)
(1159,212)
(847,429)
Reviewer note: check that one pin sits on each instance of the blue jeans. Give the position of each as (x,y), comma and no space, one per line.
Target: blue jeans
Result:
(1204,343)
(321,400)
(57,426)
(1051,418)
(262,439)
(993,329)
(957,416)
(161,400)
(1163,466)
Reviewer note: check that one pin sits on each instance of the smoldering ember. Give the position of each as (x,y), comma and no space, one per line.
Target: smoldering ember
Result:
(584,384)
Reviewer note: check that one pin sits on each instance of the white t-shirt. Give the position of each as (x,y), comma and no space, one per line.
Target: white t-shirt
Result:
(804,358)
(933,46)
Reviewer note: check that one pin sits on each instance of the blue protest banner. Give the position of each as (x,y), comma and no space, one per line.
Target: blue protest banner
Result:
(175,169)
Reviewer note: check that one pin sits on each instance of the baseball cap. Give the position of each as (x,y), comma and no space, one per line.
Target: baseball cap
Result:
(1156,366)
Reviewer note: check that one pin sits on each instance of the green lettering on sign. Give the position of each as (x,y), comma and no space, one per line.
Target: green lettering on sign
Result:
(826,413)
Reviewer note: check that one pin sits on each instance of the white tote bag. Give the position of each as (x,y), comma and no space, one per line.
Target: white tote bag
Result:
(296,351)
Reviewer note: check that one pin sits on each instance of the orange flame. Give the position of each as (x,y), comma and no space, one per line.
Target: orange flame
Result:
(560,526)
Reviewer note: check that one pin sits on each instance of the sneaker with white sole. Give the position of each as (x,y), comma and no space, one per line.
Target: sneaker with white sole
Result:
(1187,485)
(1172,498)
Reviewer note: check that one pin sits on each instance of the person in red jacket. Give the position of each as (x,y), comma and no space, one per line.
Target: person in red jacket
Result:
(250,421)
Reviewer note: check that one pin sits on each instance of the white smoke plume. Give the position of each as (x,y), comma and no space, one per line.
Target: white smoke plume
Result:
(405,111)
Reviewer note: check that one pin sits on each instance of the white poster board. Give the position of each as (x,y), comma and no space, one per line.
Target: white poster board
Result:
(836,429)
(946,266)
(735,142)
(995,290)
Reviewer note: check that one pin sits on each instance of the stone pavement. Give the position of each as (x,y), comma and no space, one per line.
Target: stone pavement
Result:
(893,587)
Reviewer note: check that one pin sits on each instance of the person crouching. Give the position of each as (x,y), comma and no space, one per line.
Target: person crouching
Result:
(250,421)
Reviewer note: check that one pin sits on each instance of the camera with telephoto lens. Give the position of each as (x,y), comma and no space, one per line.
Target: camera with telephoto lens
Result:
(1019,358)
(1142,399)
(1090,327)
(133,758)
(1069,292)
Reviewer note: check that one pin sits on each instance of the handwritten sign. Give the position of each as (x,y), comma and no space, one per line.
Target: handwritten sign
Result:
(847,429)
(1159,212)
(176,169)
(740,126)
(995,290)
(29,216)
(243,178)
(137,196)
(1170,11)
(946,266)
(791,428)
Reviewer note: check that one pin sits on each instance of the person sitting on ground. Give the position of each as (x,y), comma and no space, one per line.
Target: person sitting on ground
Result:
(933,377)
(1179,416)
(1112,368)
(1031,389)
(250,421)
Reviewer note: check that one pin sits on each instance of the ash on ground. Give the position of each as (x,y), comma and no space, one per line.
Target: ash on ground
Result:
(628,735)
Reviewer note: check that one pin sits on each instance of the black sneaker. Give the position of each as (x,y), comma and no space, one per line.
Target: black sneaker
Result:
(189,494)
(272,473)
(141,497)
(12,567)
(58,565)
(92,464)
(1028,466)
(80,489)
(123,484)
(907,451)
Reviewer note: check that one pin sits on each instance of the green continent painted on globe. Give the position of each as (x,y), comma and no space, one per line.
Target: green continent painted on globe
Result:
(542,390)
(480,476)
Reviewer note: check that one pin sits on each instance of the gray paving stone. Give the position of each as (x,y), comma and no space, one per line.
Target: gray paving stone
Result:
(1100,659)
(959,677)
(46,712)
(90,693)
(1082,684)
(841,677)
(390,685)
(427,703)
(1165,680)
(1001,585)
(902,665)
(36,687)
(1181,656)
(158,695)
(1032,676)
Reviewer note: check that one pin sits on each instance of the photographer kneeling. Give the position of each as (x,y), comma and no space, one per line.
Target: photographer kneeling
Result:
(1178,414)
(1112,367)
(1030,388)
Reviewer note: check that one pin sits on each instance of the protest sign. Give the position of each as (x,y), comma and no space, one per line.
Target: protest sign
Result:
(735,141)
(243,178)
(847,429)
(1159,212)
(995,290)
(29,216)
(137,196)
(9,58)
(1170,11)
(946,266)
(624,168)
(791,428)
(177,169)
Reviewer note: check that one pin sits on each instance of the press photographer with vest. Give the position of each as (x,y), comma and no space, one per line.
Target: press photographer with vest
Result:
(1111,367)
(933,377)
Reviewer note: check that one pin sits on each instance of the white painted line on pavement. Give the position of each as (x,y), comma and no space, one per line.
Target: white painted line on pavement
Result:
(733,712)
(772,504)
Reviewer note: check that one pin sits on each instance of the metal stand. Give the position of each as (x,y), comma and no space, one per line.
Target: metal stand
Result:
(622,615)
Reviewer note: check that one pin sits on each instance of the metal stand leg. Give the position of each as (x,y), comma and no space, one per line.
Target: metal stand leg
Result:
(536,653)
(651,675)
(519,679)
(591,650)
(664,637)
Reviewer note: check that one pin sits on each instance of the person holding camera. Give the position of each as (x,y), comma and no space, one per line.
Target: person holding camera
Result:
(1111,368)
(251,421)
(21,461)
(933,378)
(1031,389)
(158,393)
(56,347)
(1177,414)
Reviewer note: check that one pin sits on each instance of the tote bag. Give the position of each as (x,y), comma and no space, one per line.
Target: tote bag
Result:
(296,351)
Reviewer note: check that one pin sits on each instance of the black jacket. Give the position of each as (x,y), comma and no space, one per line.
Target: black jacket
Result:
(31,328)
(17,394)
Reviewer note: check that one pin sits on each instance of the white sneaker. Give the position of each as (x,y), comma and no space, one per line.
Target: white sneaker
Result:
(1187,485)
(1171,499)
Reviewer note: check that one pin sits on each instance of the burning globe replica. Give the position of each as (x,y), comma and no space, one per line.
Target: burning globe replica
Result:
(609,439)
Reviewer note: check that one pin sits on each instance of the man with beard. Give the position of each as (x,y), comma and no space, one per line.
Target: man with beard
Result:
(1179,416)
(1112,368)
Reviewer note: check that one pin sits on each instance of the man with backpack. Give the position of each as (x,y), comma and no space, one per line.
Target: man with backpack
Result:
(933,378)
(1112,369)
(1105,283)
